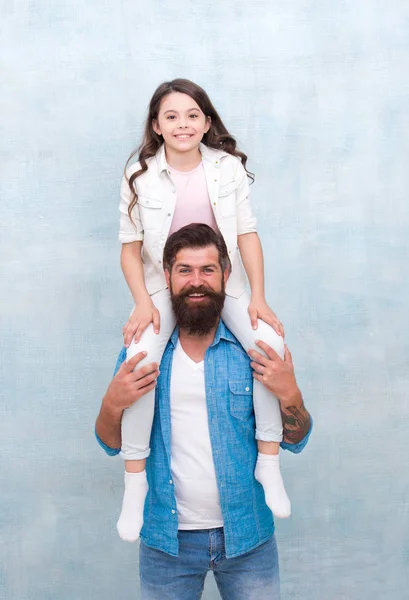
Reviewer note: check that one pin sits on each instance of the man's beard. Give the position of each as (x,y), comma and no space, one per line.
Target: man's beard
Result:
(200,318)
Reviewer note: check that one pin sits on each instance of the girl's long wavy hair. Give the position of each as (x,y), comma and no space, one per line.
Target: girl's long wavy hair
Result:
(217,137)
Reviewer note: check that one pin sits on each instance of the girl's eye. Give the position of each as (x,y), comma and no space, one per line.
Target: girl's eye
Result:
(170,117)
(194,116)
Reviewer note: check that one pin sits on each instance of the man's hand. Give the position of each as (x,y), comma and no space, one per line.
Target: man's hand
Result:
(128,385)
(125,389)
(278,376)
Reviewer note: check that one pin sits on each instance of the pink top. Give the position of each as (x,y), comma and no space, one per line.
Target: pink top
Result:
(193,203)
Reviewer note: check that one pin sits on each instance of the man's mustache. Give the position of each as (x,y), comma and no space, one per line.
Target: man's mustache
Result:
(201,289)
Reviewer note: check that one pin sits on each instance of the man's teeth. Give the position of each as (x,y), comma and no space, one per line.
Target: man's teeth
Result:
(196,295)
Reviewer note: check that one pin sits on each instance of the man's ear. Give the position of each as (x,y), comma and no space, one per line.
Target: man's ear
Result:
(226,275)
(156,127)
(167,277)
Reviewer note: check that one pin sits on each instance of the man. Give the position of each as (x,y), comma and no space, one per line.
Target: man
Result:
(204,509)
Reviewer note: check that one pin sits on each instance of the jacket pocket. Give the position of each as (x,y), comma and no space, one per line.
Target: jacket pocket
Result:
(241,398)
(149,209)
(227,199)
(227,188)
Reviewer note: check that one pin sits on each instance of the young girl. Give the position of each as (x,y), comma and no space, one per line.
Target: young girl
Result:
(190,171)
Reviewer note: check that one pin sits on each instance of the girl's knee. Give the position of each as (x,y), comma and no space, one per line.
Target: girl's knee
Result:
(150,343)
(266,334)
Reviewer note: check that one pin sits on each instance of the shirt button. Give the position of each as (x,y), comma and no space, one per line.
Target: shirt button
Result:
(159,261)
(247,389)
(169,214)
(214,203)
(170,481)
(173,511)
(216,180)
(173,191)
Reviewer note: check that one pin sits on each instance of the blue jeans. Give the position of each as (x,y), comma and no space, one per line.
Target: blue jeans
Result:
(251,576)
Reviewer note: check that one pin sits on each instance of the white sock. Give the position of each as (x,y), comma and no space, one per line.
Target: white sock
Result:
(268,474)
(131,519)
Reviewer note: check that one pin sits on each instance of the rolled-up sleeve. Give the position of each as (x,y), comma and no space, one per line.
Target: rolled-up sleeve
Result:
(108,450)
(246,221)
(297,448)
(129,230)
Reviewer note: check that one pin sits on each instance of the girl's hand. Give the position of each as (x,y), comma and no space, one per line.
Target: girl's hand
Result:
(142,315)
(259,309)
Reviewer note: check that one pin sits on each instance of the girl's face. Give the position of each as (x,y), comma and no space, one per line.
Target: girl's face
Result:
(181,122)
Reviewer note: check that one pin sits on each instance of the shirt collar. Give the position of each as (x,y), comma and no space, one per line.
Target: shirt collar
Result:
(208,154)
(222,333)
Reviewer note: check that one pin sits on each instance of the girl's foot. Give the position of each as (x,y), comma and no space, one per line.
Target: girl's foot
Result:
(268,474)
(131,519)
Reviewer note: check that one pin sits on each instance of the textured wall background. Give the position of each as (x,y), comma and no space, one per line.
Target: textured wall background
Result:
(317,94)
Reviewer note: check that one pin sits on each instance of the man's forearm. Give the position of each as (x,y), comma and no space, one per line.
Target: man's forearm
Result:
(296,422)
(108,425)
(277,375)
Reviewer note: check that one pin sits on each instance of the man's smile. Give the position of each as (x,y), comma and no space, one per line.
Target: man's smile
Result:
(197,297)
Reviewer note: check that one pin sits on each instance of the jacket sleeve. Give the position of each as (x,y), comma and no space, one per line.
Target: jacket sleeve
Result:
(129,231)
(246,221)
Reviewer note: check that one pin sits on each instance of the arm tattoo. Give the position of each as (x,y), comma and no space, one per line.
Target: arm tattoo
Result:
(296,423)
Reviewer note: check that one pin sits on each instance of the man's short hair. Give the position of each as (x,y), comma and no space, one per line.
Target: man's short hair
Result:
(195,235)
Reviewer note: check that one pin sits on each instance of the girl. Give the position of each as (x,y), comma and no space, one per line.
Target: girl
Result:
(189,170)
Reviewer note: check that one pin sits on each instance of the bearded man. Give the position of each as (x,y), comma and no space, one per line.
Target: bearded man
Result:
(204,509)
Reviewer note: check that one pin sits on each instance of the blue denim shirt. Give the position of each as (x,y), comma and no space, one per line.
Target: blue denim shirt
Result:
(248,522)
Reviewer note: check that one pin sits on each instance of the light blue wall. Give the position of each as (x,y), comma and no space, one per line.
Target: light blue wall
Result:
(317,94)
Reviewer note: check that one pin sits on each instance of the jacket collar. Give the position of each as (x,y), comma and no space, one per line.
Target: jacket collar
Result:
(208,154)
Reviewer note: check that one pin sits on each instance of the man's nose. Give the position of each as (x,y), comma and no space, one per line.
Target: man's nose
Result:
(196,279)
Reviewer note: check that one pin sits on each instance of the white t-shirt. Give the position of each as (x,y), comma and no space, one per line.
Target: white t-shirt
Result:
(193,202)
(192,466)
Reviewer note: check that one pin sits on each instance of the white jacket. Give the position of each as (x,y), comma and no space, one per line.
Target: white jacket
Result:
(152,215)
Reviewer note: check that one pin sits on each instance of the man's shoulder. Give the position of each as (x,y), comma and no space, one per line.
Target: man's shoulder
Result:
(234,345)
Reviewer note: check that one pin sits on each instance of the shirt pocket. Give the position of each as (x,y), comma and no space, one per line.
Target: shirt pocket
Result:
(241,398)
(227,199)
(150,211)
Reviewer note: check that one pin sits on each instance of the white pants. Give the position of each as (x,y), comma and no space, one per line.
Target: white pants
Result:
(137,420)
